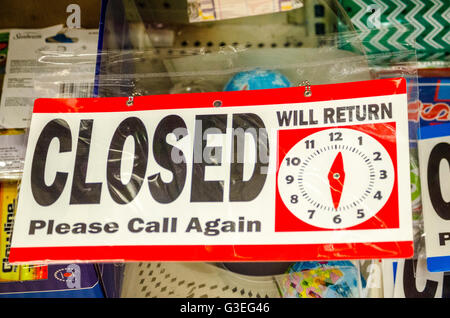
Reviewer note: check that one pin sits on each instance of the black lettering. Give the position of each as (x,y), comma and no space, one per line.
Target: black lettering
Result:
(311,118)
(340,115)
(440,152)
(111,227)
(443,238)
(47,195)
(328,114)
(50,227)
(170,158)
(284,119)
(350,113)
(386,111)
(62,228)
(152,227)
(36,225)
(241,190)
(302,121)
(132,225)
(79,228)
(201,190)
(82,192)
(125,193)
(253,225)
(373,110)
(95,228)
(194,224)
(409,282)
(361,114)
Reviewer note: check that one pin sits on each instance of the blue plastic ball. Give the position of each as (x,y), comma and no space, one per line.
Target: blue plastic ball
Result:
(257,79)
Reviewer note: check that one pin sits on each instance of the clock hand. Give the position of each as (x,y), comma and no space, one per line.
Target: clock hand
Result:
(336,177)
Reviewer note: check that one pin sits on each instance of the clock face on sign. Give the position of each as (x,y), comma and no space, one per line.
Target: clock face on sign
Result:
(336,178)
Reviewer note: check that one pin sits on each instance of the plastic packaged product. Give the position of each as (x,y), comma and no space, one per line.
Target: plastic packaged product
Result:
(12,153)
(331,279)
(48,62)
(9,272)
(257,79)
(385,26)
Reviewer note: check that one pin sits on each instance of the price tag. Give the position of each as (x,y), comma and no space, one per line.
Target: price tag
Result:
(434,159)
(263,175)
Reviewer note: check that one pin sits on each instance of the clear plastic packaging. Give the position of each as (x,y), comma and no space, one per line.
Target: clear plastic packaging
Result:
(158,68)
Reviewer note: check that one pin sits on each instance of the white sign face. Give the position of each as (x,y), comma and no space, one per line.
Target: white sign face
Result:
(434,159)
(271,175)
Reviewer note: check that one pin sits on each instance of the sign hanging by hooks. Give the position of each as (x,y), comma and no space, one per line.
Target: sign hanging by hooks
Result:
(270,175)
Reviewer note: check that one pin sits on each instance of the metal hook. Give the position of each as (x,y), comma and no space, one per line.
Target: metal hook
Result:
(130,101)
(308,92)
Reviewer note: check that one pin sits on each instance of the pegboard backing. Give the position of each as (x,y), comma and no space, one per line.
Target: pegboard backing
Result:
(297,28)
(193,280)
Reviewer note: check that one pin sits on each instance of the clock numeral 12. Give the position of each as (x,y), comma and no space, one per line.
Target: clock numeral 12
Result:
(335,136)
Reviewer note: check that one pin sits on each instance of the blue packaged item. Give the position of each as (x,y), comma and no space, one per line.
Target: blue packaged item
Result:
(257,79)
(434,94)
(62,281)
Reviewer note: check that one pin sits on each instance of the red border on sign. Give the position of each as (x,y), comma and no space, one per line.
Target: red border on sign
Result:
(220,253)
(379,87)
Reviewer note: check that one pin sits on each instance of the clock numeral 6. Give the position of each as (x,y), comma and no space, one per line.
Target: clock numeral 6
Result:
(337,219)
(295,161)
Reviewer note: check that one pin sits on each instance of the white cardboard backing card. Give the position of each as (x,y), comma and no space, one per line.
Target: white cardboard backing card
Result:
(37,68)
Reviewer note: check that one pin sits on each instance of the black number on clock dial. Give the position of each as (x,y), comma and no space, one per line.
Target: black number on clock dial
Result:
(335,136)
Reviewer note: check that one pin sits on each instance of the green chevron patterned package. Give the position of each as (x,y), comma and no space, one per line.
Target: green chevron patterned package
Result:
(389,25)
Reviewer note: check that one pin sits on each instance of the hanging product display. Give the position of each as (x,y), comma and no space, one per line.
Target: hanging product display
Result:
(385,26)
(45,62)
(333,279)
(434,149)
(211,10)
